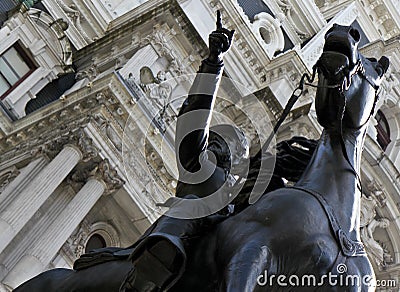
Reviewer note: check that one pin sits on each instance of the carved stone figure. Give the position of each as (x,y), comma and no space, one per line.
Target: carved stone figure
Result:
(368,224)
(157,88)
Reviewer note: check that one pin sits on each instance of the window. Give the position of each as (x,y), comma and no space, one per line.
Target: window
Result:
(383,130)
(15,66)
(95,241)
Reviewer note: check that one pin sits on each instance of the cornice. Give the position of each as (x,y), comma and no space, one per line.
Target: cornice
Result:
(115,31)
(59,119)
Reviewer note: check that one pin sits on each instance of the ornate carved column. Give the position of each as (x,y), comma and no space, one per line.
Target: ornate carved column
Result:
(12,189)
(24,206)
(16,250)
(42,251)
(103,180)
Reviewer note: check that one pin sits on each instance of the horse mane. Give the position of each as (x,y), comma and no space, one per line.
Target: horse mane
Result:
(292,158)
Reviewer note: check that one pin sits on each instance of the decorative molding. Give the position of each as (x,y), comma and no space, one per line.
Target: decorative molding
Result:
(75,137)
(86,146)
(288,9)
(75,17)
(107,231)
(109,175)
(75,246)
(5,288)
(7,176)
(106,127)
(269,30)
(58,27)
(65,119)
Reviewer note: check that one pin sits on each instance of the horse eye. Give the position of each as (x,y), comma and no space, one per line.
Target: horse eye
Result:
(379,70)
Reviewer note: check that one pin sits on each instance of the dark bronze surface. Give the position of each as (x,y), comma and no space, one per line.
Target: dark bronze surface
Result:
(288,231)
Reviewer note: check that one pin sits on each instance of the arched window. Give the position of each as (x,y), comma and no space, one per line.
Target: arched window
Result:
(383,130)
(95,241)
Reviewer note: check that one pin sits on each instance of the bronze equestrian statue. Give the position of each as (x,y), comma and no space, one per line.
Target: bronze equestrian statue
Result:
(307,230)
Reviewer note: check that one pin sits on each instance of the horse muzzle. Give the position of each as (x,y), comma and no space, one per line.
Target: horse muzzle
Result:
(333,65)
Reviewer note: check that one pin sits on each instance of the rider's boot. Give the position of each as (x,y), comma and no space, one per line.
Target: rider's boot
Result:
(159,257)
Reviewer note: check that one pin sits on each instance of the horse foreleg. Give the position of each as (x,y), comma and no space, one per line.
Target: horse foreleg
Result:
(245,269)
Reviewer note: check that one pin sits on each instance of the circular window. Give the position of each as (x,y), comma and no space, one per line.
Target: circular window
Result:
(270,32)
(266,36)
(95,241)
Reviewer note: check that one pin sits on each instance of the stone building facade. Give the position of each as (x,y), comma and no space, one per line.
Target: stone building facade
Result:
(89,94)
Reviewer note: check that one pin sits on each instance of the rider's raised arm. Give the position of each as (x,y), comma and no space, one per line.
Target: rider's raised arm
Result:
(195,114)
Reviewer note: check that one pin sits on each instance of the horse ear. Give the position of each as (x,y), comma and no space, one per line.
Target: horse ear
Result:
(383,65)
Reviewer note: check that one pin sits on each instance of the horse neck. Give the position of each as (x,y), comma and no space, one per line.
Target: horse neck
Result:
(330,174)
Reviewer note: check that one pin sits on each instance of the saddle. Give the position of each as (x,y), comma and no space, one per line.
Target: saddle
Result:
(102,255)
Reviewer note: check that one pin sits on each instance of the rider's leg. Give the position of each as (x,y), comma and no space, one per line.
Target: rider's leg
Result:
(159,257)
(246,269)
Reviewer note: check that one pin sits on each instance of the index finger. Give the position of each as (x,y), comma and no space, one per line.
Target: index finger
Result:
(219,21)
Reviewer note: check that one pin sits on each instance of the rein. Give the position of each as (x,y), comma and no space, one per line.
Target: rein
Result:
(343,86)
(297,93)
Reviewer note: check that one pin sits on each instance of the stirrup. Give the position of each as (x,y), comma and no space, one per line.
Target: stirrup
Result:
(158,263)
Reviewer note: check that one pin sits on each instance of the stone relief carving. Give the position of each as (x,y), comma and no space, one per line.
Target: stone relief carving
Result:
(286,8)
(7,176)
(78,137)
(85,144)
(75,17)
(76,243)
(162,41)
(109,175)
(52,148)
(58,27)
(392,81)
(368,223)
(91,73)
(50,134)
(101,170)
(106,127)
(78,239)
(158,89)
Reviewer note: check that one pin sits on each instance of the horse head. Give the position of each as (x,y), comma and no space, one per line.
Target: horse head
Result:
(347,81)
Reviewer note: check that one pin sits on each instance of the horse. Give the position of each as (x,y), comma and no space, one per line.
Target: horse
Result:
(297,237)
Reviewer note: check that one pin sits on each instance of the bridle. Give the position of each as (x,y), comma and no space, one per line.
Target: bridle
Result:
(343,86)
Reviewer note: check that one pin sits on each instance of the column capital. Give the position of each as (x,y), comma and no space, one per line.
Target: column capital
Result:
(85,144)
(109,175)
(101,171)
(78,139)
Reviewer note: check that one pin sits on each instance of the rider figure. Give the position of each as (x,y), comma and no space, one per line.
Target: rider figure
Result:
(159,256)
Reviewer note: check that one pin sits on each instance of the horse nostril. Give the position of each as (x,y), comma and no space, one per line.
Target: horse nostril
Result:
(355,34)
